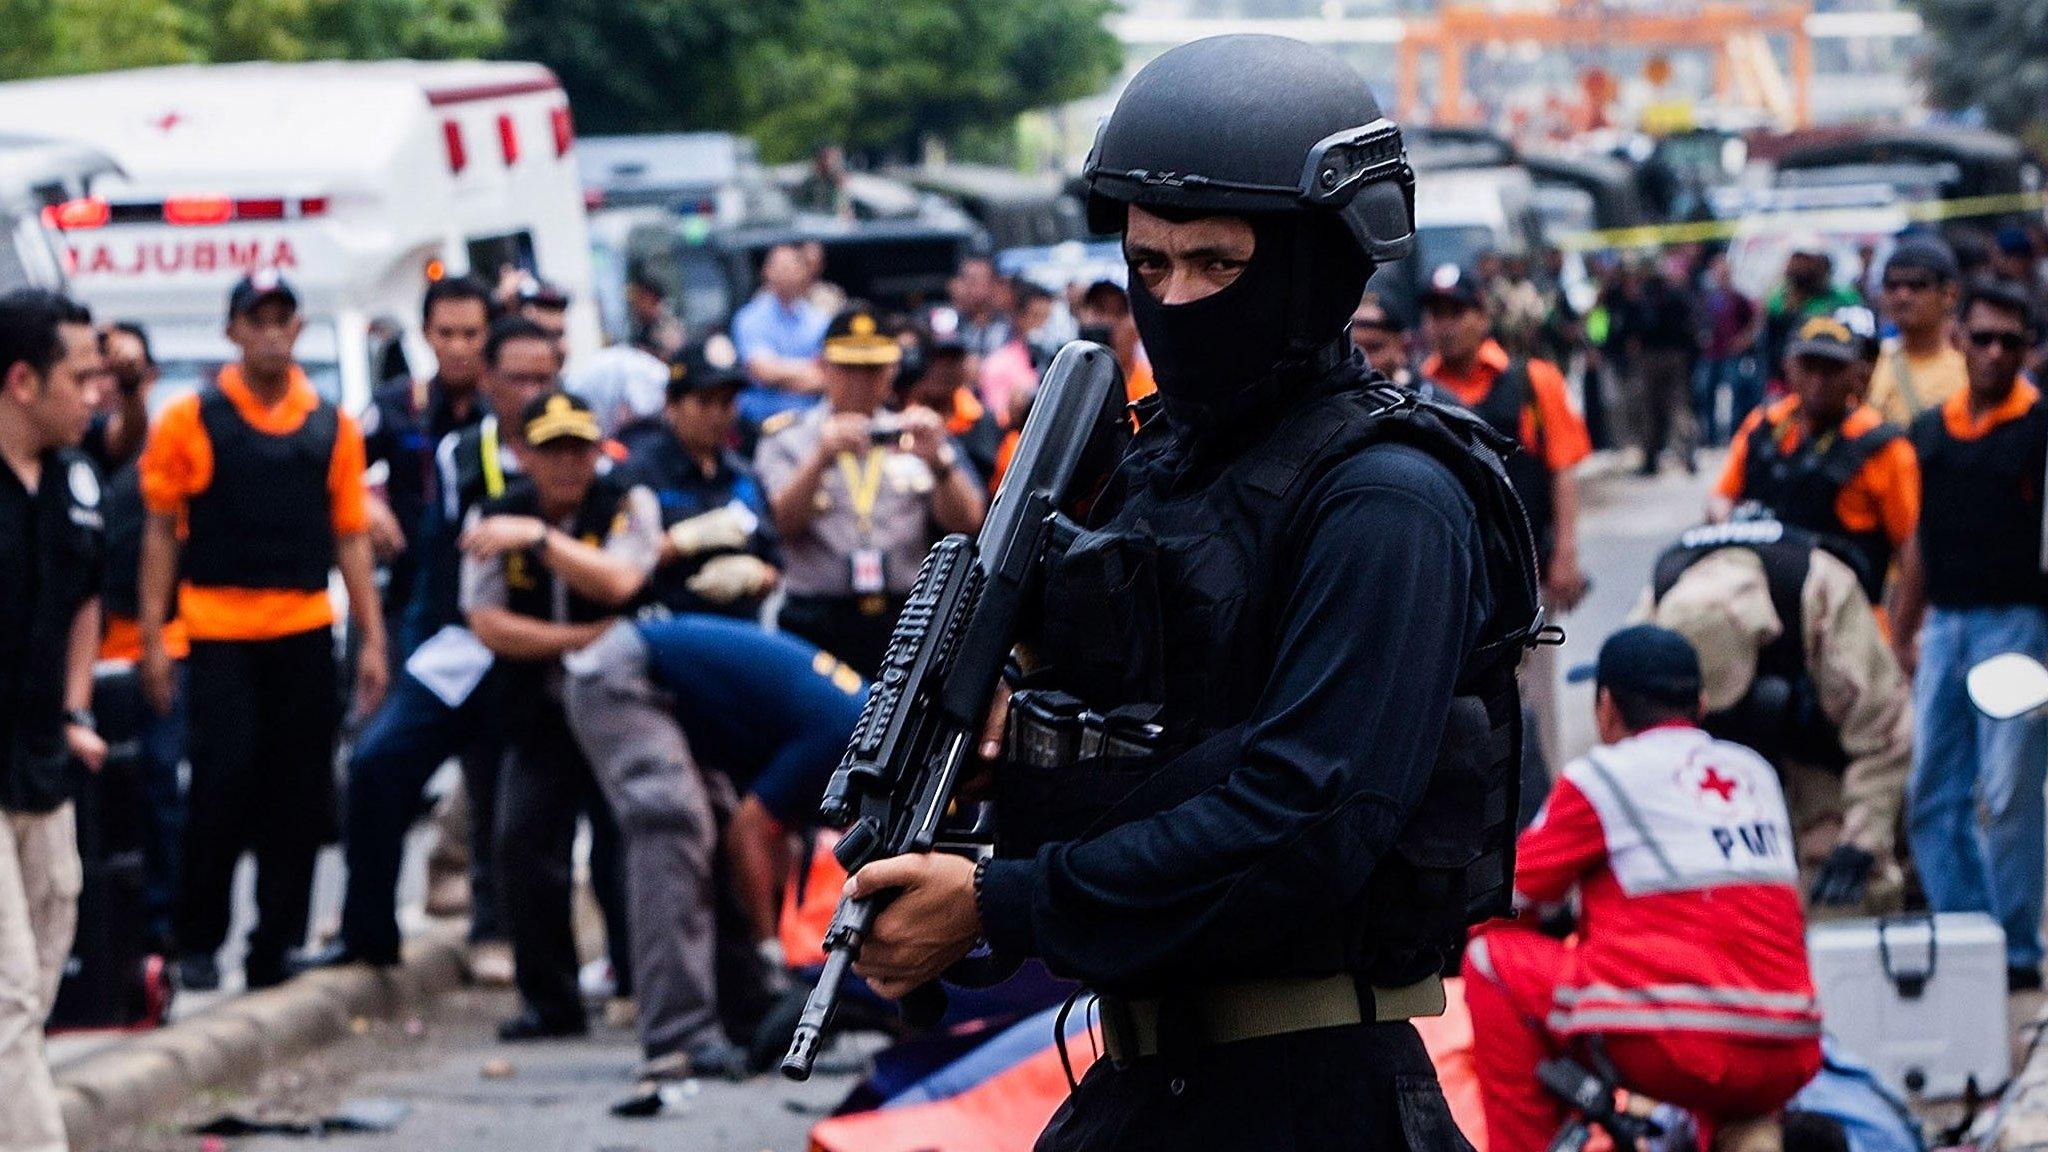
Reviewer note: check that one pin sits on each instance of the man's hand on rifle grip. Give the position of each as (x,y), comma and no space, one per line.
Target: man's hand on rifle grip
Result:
(929,925)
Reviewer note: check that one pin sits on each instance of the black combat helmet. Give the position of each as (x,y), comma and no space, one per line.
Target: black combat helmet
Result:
(1255,124)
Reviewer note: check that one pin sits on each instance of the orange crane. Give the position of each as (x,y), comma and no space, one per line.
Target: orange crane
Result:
(1736,34)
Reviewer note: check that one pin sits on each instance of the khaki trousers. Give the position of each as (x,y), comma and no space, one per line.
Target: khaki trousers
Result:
(39,881)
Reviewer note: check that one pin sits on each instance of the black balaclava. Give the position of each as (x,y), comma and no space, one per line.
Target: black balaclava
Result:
(1279,325)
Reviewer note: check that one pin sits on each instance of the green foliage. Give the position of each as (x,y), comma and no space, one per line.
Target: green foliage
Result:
(644,65)
(52,37)
(1992,55)
(878,77)
(882,77)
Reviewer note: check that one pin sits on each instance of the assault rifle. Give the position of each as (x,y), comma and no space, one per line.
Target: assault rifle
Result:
(893,790)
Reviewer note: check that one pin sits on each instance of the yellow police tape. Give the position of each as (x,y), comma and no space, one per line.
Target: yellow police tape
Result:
(1813,219)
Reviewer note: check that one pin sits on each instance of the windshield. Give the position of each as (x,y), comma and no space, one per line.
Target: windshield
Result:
(1461,245)
(189,355)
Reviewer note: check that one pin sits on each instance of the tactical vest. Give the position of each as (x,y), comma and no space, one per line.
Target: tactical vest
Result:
(1507,403)
(1981,540)
(1780,716)
(265,520)
(1173,600)
(530,586)
(1801,488)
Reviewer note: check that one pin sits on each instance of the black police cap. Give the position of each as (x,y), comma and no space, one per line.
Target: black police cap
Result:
(706,365)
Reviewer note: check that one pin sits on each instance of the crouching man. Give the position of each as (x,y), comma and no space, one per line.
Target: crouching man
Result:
(649,703)
(1690,964)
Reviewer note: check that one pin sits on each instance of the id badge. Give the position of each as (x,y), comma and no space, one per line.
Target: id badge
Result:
(870,574)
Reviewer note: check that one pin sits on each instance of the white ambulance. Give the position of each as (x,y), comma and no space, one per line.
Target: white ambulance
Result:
(359,182)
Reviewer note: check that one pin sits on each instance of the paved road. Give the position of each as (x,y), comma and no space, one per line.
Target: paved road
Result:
(559,1094)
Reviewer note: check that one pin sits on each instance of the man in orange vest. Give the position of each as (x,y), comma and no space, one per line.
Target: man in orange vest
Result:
(255,491)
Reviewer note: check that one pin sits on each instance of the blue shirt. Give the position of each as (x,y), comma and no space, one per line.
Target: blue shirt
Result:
(765,708)
(791,331)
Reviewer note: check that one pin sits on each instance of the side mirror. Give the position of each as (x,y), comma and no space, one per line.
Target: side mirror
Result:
(2009,686)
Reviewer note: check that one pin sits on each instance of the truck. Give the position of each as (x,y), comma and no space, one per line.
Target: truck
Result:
(359,182)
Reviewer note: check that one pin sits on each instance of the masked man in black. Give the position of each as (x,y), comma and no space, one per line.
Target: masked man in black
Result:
(1291,626)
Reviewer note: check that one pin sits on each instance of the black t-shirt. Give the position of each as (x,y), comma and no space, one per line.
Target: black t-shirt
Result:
(51,551)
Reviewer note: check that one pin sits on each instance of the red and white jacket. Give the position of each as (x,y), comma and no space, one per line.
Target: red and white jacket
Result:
(1682,851)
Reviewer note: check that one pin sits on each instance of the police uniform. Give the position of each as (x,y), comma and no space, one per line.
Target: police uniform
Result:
(848,573)
(547,783)
(1276,671)
(406,419)
(658,461)
(51,549)
(1795,668)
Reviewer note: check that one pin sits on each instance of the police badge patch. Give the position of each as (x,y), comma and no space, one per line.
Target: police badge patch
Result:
(85,485)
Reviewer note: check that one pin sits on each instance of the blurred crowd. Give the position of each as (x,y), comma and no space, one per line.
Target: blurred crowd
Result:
(636,596)
(1874,532)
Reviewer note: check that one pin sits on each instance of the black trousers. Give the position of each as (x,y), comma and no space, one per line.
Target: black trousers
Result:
(261,743)
(837,624)
(544,788)
(1349,1089)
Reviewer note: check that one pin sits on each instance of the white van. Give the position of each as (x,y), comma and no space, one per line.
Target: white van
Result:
(35,172)
(359,182)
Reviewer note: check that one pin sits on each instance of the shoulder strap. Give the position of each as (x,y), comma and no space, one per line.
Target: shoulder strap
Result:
(1785,567)
(1903,377)
(1847,456)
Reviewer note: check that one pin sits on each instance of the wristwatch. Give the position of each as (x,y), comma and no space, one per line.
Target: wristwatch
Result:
(81,718)
(949,458)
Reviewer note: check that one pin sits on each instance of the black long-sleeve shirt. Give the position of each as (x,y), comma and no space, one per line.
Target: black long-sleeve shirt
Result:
(1388,597)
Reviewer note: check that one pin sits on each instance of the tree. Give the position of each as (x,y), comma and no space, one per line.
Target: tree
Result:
(882,78)
(642,65)
(1990,55)
(54,37)
(799,73)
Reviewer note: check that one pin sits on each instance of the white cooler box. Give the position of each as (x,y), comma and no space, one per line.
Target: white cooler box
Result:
(1920,998)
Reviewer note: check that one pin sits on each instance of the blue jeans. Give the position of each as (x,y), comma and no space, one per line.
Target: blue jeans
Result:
(1745,386)
(412,735)
(1962,759)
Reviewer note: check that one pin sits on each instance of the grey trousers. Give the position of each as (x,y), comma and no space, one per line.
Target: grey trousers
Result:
(637,751)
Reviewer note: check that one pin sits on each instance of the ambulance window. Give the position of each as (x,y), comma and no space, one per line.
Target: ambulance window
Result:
(488,254)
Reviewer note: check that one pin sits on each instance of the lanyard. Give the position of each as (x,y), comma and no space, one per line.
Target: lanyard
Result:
(863,485)
(494,470)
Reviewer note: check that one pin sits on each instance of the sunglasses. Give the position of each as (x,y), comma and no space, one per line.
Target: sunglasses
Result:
(2005,341)
(1908,284)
